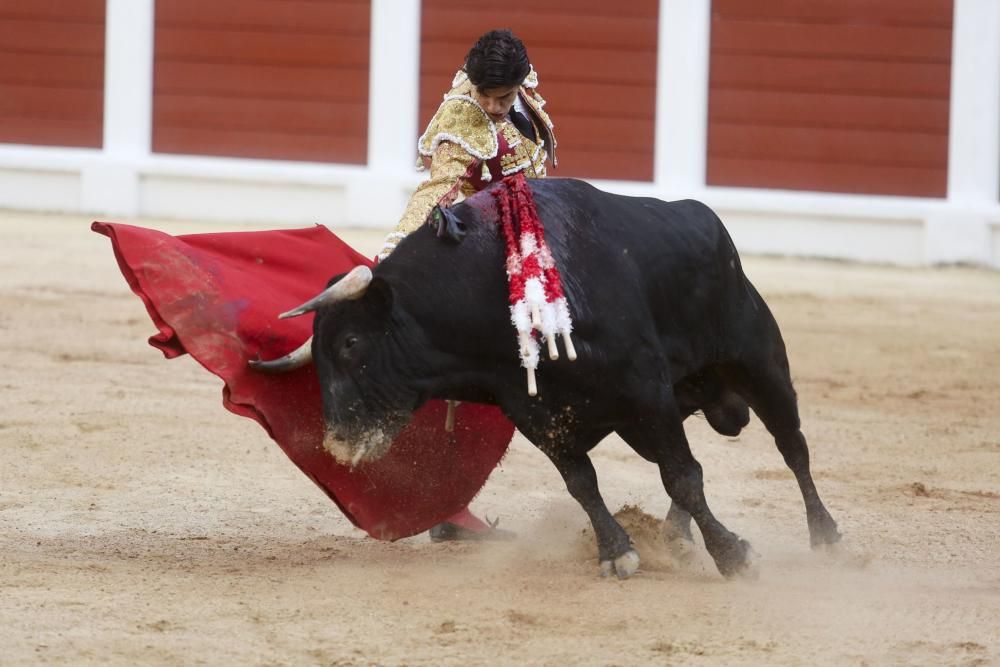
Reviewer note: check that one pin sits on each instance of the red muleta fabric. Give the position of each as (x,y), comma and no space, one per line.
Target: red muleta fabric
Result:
(217,297)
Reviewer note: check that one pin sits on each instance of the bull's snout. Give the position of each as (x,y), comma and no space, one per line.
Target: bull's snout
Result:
(368,446)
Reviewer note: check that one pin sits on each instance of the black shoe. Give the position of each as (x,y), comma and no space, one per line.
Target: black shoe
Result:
(451,532)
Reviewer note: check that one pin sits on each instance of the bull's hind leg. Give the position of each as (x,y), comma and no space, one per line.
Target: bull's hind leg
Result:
(727,413)
(682,479)
(768,389)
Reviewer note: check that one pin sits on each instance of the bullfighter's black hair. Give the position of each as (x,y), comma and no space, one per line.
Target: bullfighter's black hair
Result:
(497,60)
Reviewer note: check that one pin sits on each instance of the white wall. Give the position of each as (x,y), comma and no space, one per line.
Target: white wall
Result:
(125,180)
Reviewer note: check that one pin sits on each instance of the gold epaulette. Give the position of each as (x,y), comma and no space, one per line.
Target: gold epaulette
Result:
(461,121)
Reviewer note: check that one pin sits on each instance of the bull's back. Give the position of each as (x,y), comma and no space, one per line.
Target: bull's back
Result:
(673,258)
(644,278)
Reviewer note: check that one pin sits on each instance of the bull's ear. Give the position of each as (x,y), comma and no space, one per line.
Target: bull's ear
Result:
(379,294)
(448,226)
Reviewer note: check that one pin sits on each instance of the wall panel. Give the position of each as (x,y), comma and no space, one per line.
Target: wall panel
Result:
(52,72)
(262,79)
(831,95)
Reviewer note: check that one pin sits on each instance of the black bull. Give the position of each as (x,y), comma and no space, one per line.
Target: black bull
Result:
(665,324)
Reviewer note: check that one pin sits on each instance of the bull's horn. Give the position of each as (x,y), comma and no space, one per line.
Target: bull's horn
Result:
(296,359)
(351,286)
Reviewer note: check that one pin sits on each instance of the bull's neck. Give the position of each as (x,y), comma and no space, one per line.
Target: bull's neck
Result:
(452,318)
(444,360)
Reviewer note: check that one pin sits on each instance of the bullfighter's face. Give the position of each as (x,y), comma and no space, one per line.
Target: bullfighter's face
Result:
(496,102)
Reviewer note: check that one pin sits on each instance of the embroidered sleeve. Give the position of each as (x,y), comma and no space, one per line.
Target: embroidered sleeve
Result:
(448,164)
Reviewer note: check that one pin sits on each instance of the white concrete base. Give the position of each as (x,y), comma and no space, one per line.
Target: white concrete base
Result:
(49,191)
(810,235)
(897,230)
(109,188)
(270,192)
(189,187)
(994,260)
(180,197)
(958,235)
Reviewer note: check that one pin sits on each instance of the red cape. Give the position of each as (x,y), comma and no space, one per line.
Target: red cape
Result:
(217,297)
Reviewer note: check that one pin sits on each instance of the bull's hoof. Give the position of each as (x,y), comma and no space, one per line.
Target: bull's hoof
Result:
(622,567)
(738,560)
(824,534)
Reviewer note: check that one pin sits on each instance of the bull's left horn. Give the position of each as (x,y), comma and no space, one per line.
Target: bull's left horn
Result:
(351,286)
(296,359)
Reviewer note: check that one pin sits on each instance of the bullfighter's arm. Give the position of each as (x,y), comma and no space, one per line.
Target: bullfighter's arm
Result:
(448,165)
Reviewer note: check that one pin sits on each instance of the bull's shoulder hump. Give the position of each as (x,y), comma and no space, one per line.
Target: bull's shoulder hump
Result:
(692,208)
(562,183)
(569,187)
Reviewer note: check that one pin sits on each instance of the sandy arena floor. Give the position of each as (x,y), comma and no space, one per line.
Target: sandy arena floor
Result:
(141,523)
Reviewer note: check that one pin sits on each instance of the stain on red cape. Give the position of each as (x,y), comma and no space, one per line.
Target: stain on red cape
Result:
(217,298)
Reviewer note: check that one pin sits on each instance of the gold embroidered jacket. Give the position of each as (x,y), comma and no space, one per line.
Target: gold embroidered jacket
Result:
(462,141)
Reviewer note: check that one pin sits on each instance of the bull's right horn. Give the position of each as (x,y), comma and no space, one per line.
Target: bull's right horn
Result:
(351,286)
(296,359)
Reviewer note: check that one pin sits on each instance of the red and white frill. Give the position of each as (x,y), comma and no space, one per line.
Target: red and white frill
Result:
(538,305)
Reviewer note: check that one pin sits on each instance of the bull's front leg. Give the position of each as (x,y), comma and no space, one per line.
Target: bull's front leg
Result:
(614,547)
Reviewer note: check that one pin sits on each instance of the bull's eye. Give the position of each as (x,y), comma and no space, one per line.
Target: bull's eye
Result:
(350,342)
